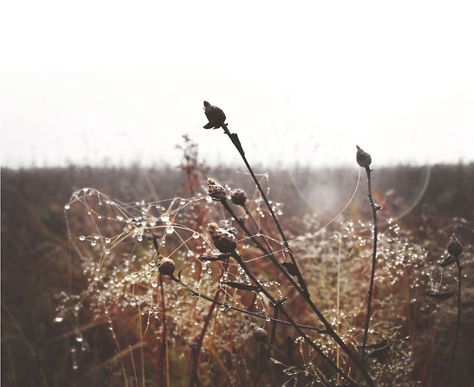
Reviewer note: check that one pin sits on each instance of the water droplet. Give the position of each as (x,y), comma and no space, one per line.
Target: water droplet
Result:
(58,319)
(196,235)
(82,238)
(67,207)
(165,218)
(169,229)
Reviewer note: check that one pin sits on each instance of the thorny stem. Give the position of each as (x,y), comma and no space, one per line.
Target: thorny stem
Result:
(458,322)
(247,271)
(374,208)
(330,330)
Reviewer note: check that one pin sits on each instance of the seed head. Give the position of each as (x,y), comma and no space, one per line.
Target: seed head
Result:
(454,246)
(238,197)
(166,266)
(224,241)
(215,116)
(215,190)
(260,334)
(363,158)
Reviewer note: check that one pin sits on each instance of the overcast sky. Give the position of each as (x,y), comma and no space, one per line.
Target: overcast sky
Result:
(90,81)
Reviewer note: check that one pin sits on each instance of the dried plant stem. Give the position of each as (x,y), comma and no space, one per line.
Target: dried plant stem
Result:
(196,351)
(235,140)
(163,356)
(374,207)
(329,329)
(458,322)
(247,271)
(244,311)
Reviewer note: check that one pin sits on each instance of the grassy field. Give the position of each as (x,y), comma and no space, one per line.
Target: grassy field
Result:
(123,324)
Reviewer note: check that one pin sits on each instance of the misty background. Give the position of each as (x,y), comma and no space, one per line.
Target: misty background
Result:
(106,83)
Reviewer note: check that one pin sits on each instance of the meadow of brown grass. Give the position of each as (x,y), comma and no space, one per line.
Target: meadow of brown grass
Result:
(108,340)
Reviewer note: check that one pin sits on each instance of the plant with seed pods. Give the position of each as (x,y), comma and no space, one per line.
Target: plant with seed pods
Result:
(210,278)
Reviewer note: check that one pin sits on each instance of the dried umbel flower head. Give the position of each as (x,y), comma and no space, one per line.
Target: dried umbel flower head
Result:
(454,246)
(238,197)
(215,116)
(363,158)
(260,334)
(224,241)
(166,266)
(215,190)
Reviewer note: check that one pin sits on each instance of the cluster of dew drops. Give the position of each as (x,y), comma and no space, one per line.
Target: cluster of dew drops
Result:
(115,244)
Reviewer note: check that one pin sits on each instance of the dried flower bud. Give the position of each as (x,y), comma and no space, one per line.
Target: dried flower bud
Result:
(215,190)
(260,334)
(224,241)
(454,246)
(363,158)
(238,197)
(215,116)
(166,266)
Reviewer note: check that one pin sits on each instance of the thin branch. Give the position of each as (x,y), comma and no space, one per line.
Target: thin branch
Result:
(235,140)
(330,330)
(458,322)
(247,271)
(374,208)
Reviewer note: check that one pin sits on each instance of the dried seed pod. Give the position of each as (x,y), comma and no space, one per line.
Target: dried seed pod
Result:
(224,241)
(454,246)
(363,158)
(260,334)
(166,266)
(238,197)
(215,190)
(215,116)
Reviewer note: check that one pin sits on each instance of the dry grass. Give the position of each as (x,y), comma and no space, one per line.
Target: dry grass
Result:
(113,305)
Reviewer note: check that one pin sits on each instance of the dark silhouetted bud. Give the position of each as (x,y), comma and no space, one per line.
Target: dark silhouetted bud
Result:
(224,241)
(363,158)
(215,116)
(238,197)
(215,190)
(454,246)
(260,334)
(166,266)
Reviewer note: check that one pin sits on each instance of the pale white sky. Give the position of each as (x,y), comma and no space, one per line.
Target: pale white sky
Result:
(299,81)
